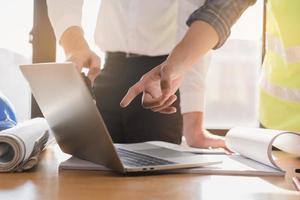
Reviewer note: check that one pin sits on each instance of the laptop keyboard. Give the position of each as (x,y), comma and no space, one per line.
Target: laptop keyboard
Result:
(134,159)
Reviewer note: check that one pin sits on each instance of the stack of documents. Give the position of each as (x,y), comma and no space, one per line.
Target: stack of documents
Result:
(21,145)
(253,147)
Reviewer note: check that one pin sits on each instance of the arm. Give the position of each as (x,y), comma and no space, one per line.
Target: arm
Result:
(65,17)
(209,28)
(200,38)
(192,96)
(205,33)
(193,87)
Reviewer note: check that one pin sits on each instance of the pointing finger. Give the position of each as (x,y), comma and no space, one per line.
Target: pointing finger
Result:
(133,92)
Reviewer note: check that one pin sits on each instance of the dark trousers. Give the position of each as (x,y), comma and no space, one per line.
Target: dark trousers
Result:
(134,123)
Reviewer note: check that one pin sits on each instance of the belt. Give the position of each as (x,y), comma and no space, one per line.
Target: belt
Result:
(123,54)
(120,54)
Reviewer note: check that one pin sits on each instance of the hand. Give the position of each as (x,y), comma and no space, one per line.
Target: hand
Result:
(205,139)
(88,59)
(198,137)
(78,52)
(158,87)
(160,84)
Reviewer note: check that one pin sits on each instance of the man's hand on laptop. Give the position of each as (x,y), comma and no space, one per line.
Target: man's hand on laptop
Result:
(79,53)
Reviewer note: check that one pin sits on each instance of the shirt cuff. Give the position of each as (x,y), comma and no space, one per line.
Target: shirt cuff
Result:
(192,90)
(192,101)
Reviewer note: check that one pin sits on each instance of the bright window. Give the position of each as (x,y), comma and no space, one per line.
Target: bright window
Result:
(231,95)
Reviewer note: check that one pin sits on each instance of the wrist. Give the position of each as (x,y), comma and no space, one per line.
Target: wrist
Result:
(178,60)
(73,40)
(193,125)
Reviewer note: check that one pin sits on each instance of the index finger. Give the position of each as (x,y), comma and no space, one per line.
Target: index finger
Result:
(133,91)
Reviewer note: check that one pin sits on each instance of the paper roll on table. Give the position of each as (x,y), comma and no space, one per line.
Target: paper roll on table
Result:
(21,145)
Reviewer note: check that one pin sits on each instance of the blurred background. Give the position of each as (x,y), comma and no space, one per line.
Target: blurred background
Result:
(231,97)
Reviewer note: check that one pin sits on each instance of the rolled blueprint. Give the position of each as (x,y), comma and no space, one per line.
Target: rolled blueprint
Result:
(21,145)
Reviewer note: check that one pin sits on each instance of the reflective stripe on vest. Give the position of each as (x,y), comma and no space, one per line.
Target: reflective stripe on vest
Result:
(288,94)
(290,55)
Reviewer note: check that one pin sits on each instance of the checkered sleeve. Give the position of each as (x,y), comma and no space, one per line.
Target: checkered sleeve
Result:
(221,15)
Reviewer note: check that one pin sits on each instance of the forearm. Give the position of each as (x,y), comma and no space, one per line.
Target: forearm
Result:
(209,28)
(65,17)
(199,39)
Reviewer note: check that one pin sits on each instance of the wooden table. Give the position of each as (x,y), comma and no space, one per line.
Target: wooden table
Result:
(46,182)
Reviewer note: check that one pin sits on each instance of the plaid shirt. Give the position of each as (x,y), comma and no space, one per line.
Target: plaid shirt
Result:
(221,15)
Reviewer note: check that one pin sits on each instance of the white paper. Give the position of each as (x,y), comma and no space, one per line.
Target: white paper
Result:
(21,144)
(253,146)
(237,165)
(231,165)
(256,143)
(74,163)
(288,142)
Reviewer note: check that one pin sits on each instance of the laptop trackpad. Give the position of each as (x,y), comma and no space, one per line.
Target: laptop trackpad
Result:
(163,153)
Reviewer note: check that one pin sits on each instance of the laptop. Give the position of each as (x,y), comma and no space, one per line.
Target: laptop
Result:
(70,110)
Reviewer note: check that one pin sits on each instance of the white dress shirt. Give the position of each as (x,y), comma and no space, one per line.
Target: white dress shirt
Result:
(146,27)
(192,90)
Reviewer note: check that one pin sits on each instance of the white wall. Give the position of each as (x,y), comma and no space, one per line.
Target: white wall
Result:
(16,18)
(13,84)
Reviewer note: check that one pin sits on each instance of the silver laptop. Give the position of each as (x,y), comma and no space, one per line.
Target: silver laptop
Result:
(68,106)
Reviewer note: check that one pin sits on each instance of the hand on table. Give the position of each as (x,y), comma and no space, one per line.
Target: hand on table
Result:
(205,139)
(197,136)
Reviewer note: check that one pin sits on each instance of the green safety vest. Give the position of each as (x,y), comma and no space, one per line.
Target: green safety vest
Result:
(280,80)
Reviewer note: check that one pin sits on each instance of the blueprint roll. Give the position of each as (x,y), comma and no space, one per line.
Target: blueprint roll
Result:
(21,145)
